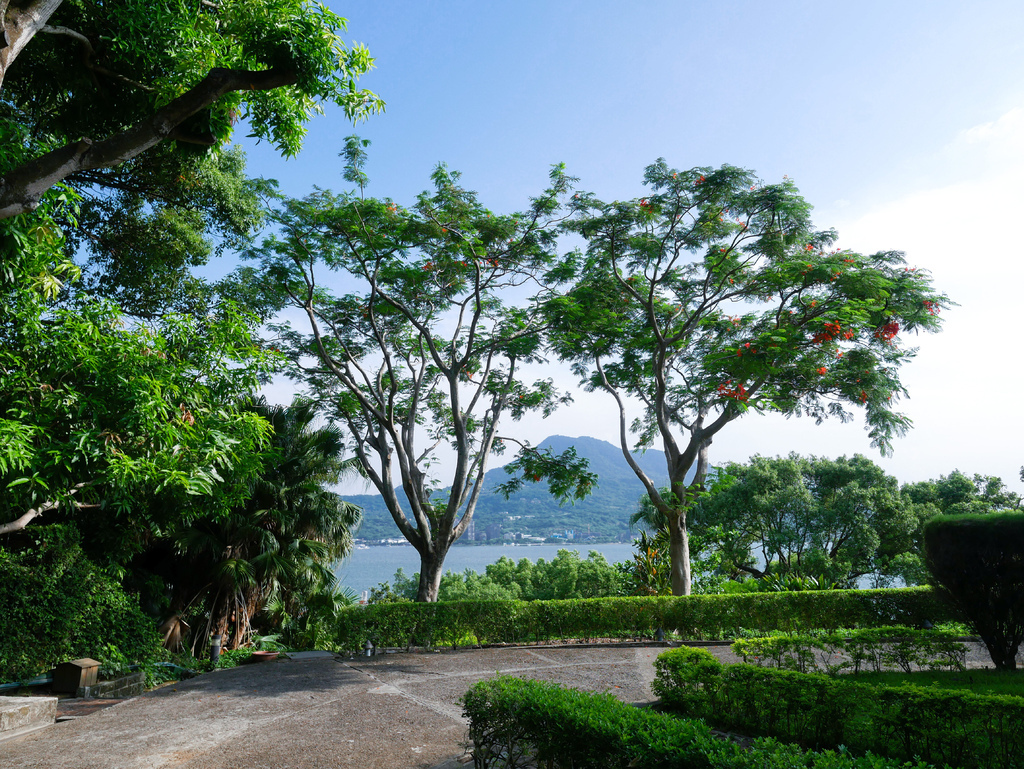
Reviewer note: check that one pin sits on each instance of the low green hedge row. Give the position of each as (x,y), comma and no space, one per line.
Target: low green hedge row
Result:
(516,723)
(695,617)
(817,711)
(877,649)
(56,605)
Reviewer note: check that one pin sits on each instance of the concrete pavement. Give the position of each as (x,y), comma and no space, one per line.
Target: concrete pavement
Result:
(319,711)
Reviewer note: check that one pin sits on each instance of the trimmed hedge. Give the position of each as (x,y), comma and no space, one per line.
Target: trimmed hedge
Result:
(884,648)
(817,711)
(56,605)
(516,723)
(695,617)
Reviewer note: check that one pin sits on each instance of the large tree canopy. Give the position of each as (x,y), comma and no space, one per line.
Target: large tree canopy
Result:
(714,296)
(959,494)
(427,349)
(87,85)
(840,519)
(98,412)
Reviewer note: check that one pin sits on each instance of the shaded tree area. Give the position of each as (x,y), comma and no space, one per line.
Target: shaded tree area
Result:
(978,563)
(87,86)
(122,377)
(273,550)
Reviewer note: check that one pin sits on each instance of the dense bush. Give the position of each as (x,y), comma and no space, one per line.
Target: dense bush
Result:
(515,723)
(56,605)
(563,577)
(942,727)
(877,649)
(697,617)
(979,562)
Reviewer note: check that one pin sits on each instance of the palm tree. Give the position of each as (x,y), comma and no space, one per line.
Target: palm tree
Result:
(282,542)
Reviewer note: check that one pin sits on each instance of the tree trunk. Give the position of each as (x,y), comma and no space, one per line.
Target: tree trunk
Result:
(219,617)
(431,569)
(1002,651)
(679,554)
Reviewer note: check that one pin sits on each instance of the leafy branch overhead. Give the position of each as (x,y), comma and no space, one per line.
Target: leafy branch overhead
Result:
(566,474)
(161,71)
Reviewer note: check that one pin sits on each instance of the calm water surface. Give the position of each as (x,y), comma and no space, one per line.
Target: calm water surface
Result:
(368,568)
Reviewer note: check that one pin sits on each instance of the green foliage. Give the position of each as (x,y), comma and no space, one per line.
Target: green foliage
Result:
(978,560)
(565,576)
(652,317)
(427,349)
(56,605)
(143,226)
(875,649)
(651,568)
(99,412)
(312,626)
(957,494)
(809,517)
(977,681)
(153,52)
(276,546)
(516,723)
(648,572)
(231,658)
(404,623)
(903,723)
(98,73)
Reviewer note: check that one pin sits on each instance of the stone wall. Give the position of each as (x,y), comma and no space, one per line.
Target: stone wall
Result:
(19,715)
(130,685)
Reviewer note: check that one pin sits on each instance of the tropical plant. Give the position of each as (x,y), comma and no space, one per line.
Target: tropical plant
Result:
(281,543)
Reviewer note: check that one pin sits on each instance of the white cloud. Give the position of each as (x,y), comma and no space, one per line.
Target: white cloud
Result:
(1007,131)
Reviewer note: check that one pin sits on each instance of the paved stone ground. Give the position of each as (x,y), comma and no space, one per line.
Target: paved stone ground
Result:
(319,711)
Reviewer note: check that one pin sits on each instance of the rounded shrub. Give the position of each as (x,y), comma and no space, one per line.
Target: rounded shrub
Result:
(978,563)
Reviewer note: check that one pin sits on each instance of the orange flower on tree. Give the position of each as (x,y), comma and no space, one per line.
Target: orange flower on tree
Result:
(738,393)
(888,332)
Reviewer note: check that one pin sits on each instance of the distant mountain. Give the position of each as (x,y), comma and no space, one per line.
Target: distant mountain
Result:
(533,512)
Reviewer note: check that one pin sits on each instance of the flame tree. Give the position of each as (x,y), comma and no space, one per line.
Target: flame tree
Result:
(428,350)
(714,296)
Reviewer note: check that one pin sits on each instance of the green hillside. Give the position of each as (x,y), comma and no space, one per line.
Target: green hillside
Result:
(533,512)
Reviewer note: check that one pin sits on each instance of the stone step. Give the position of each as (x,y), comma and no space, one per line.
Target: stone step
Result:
(21,715)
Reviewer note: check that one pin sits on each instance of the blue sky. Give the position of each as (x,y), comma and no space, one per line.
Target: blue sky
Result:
(901,122)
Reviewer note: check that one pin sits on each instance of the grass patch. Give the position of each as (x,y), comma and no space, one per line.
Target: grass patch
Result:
(1009,682)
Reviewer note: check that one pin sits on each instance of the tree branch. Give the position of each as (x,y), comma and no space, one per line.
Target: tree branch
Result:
(52,504)
(22,188)
(21,20)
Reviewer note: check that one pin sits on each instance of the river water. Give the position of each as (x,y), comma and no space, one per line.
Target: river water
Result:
(369,567)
